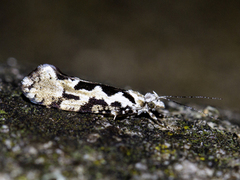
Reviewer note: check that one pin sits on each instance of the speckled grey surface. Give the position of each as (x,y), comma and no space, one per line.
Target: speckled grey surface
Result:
(41,143)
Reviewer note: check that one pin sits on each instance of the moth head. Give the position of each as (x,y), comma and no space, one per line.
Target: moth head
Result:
(153,101)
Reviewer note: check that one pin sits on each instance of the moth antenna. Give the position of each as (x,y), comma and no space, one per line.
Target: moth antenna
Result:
(192,97)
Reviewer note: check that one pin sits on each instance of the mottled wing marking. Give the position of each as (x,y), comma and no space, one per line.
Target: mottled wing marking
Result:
(46,85)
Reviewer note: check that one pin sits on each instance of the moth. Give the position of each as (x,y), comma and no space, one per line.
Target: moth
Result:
(48,86)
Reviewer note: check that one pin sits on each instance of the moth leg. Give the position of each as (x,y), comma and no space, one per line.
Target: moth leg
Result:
(114,113)
(154,119)
(158,122)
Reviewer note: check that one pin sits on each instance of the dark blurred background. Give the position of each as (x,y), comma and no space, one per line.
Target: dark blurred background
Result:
(172,47)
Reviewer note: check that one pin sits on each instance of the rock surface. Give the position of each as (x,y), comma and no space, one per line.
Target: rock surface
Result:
(41,143)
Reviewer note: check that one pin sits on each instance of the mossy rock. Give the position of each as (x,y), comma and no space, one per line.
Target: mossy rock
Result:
(41,143)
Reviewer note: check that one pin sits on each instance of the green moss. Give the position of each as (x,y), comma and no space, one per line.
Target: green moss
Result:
(2,112)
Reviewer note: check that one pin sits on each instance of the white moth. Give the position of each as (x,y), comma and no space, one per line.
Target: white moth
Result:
(47,86)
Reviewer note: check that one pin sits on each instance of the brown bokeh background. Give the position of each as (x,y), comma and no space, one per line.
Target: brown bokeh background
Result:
(172,47)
